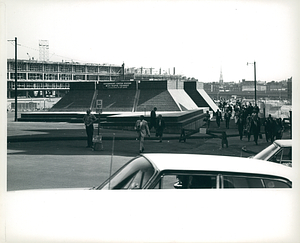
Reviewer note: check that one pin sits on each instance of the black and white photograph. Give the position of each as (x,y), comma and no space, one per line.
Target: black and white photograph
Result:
(149,121)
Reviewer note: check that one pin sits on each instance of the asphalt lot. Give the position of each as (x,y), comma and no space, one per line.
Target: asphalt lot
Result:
(54,155)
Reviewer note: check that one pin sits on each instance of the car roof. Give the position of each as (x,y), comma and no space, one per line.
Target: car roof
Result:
(284,142)
(197,162)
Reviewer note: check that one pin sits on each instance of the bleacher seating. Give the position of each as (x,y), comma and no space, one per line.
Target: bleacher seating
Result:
(161,99)
(75,100)
(117,99)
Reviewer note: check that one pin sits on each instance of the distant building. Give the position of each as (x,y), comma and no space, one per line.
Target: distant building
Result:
(249,86)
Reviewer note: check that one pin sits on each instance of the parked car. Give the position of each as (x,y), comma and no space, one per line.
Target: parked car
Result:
(280,151)
(191,171)
(79,215)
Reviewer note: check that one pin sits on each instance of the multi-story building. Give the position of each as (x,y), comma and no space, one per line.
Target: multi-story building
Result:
(52,79)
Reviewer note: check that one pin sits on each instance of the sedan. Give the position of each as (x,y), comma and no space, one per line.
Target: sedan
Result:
(190,171)
(280,151)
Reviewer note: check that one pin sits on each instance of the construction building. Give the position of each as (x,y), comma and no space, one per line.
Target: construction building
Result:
(52,79)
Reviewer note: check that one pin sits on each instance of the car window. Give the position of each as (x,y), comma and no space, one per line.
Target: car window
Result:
(276,184)
(134,174)
(241,182)
(283,156)
(187,181)
(140,179)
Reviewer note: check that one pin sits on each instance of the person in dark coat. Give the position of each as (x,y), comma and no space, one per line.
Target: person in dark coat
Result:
(240,125)
(218,117)
(89,120)
(249,109)
(227,117)
(207,119)
(160,126)
(270,127)
(153,118)
(256,109)
(279,128)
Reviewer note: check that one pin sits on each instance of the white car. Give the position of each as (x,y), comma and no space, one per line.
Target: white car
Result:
(191,171)
(280,151)
(236,215)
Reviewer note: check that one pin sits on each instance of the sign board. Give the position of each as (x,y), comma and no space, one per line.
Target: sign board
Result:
(116,85)
(99,106)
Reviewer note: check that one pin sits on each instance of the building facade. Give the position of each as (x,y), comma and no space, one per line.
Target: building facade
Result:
(52,79)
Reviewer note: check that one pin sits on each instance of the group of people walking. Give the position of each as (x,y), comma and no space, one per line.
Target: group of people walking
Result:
(251,125)
(141,126)
(246,119)
(248,122)
(143,129)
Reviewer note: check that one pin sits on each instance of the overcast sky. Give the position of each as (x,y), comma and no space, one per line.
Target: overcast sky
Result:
(198,38)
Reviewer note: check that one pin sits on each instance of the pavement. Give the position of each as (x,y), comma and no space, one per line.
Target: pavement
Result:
(54,154)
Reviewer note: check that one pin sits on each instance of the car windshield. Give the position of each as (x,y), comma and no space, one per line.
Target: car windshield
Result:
(133,175)
(264,154)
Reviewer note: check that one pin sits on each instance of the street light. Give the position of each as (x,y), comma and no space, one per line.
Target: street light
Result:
(254,80)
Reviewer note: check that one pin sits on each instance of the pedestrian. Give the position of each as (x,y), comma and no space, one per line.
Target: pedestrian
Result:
(142,128)
(255,127)
(153,118)
(279,128)
(207,119)
(240,125)
(270,128)
(89,120)
(248,126)
(160,126)
(256,109)
(218,117)
(227,117)
(249,109)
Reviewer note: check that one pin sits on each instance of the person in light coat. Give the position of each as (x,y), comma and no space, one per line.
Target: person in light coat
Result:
(142,128)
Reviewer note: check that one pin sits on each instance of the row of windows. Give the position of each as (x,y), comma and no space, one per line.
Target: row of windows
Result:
(52,76)
(63,68)
(32,85)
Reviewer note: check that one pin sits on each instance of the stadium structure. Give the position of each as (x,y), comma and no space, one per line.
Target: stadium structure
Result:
(124,93)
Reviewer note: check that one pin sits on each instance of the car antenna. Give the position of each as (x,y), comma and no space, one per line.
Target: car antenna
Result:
(111,160)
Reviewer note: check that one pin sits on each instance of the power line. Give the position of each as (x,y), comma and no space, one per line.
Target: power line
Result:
(52,54)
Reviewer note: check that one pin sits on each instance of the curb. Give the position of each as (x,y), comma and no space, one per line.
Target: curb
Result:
(15,139)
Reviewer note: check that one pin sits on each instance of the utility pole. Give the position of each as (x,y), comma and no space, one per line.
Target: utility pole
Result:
(16,78)
(254,80)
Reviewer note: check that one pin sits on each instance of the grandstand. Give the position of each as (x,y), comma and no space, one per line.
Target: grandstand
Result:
(129,96)
(79,99)
(155,94)
(116,96)
(123,102)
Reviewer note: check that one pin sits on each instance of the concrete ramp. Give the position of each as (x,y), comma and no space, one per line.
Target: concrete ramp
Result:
(208,100)
(182,99)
